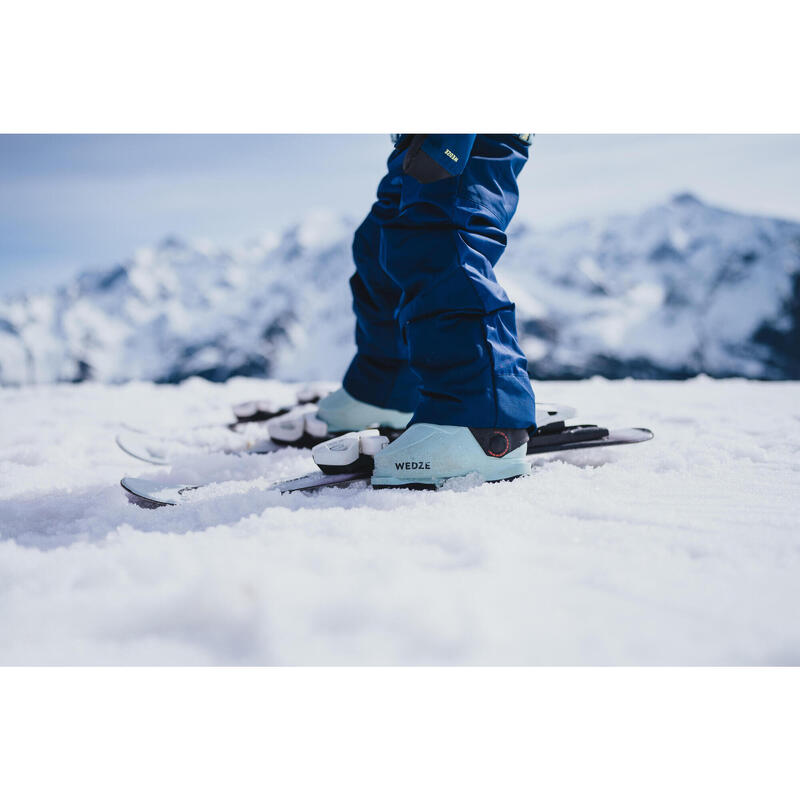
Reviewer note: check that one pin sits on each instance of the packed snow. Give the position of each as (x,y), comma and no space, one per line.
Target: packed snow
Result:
(682,550)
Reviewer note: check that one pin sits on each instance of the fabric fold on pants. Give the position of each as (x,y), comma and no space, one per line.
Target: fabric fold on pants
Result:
(436,333)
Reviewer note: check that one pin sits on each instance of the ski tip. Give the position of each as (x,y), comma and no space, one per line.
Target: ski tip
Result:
(135,445)
(630,435)
(149,494)
(138,500)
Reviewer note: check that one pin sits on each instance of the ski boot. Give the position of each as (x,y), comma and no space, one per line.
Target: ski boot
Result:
(427,455)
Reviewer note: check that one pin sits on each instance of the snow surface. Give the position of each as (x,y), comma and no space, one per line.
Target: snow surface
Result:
(684,550)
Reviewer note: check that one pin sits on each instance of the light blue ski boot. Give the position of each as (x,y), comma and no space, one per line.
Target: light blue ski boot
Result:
(340,411)
(427,455)
(337,413)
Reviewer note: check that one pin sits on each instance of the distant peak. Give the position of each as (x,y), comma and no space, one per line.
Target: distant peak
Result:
(171,243)
(686,199)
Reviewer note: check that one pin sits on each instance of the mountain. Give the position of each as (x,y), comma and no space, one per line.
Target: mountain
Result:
(680,289)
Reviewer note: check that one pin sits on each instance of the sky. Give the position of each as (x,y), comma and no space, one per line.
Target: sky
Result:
(72,202)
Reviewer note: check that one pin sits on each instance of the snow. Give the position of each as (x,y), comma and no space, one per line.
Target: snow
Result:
(684,550)
(677,289)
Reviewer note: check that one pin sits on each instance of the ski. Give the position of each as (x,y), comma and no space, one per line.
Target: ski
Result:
(253,437)
(163,447)
(549,439)
(164,450)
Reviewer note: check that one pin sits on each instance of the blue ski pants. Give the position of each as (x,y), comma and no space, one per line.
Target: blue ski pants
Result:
(436,333)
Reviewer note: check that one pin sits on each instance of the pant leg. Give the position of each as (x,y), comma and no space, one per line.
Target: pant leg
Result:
(379,373)
(441,248)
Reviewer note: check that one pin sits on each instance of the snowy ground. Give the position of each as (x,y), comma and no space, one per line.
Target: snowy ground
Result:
(684,550)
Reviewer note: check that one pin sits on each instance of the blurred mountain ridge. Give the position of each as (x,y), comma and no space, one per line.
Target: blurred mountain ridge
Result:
(679,289)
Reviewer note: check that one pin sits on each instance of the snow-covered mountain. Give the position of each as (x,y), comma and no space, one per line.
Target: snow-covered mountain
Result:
(679,289)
